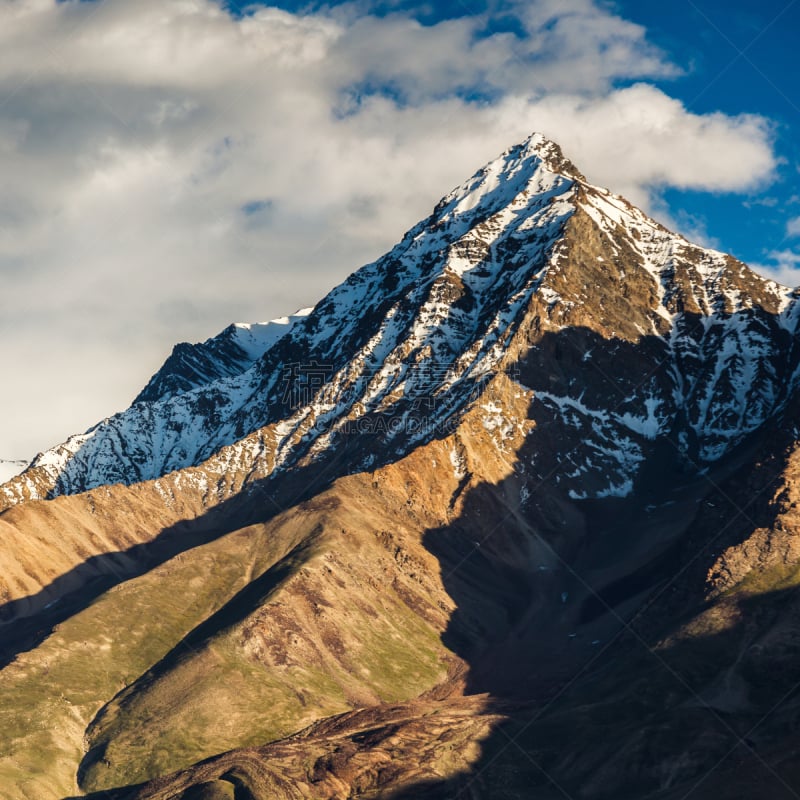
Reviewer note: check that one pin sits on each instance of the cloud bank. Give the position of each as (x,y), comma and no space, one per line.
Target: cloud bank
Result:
(167,168)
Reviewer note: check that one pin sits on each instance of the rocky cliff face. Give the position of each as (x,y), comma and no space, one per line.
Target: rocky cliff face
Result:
(510,511)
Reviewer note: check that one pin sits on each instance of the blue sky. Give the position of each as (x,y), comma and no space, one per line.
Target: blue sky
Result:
(169,167)
(738,57)
(732,56)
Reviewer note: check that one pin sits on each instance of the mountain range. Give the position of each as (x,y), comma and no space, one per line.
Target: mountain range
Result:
(509,513)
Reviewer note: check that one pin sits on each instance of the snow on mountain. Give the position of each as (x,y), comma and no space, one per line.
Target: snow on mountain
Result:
(624,331)
(228,353)
(256,338)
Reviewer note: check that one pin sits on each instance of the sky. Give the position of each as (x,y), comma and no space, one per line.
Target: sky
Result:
(170,166)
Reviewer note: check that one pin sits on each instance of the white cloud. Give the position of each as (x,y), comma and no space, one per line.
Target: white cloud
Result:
(135,135)
(793,227)
(599,47)
(783,266)
(637,140)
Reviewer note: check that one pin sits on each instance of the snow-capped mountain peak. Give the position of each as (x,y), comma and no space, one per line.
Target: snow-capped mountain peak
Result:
(524,267)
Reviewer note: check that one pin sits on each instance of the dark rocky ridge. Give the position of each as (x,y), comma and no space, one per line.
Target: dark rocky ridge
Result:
(193,365)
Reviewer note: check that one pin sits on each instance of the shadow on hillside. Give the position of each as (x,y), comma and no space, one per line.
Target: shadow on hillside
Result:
(602,714)
(551,598)
(575,362)
(710,716)
(21,629)
(565,613)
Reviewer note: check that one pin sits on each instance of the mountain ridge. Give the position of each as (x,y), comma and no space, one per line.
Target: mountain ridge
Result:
(227,354)
(515,211)
(512,510)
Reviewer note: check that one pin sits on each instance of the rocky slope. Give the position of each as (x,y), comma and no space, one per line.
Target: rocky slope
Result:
(510,511)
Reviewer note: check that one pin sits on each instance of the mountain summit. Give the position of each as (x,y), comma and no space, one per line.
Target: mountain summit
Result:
(511,512)
(524,248)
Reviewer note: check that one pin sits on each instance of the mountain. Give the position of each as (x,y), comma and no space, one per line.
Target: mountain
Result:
(511,512)
(525,241)
(230,353)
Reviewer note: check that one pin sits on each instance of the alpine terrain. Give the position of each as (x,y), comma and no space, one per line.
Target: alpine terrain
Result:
(510,513)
